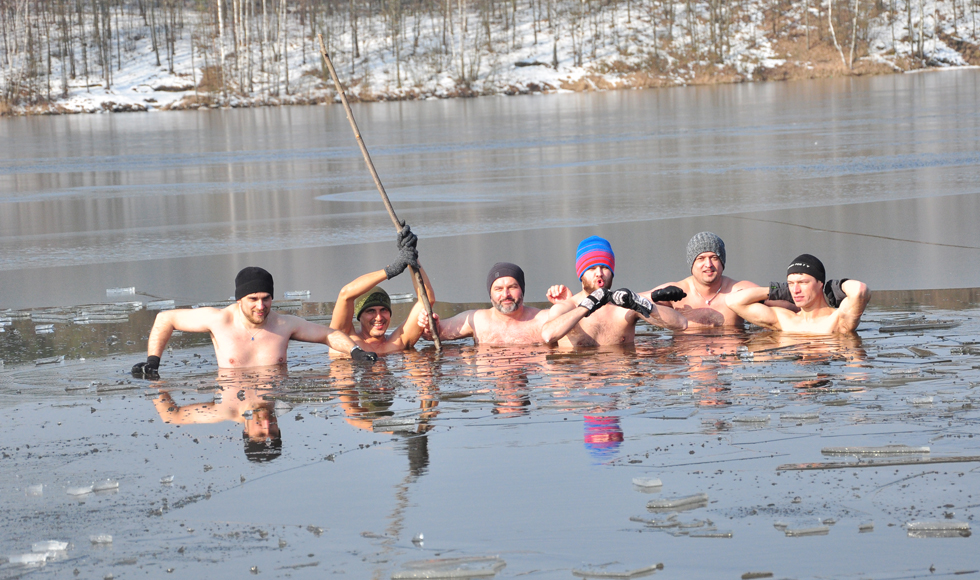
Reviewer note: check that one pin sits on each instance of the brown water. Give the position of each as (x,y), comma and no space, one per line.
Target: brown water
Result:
(519,461)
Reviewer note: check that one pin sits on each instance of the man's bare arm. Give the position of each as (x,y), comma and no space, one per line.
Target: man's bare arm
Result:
(184,320)
(852,307)
(409,332)
(666,317)
(459,326)
(747,303)
(343,311)
(562,318)
(306,331)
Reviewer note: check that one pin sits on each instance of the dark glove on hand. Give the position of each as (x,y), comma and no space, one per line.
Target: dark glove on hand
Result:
(407,256)
(593,301)
(406,237)
(668,294)
(780,291)
(833,292)
(359,354)
(628,299)
(150,368)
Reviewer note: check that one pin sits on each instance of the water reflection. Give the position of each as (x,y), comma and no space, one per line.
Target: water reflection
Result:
(241,396)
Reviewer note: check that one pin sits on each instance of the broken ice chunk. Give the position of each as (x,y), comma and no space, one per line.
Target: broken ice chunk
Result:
(684,502)
(49,546)
(105,485)
(120,291)
(79,490)
(167,479)
(815,531)
(100,539)
(647,482)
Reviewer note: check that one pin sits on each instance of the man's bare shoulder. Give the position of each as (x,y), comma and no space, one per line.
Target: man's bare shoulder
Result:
(737,285)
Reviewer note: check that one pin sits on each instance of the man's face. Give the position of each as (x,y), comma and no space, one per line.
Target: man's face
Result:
(375,320)
(596,277)
(506,295)
(707,268)
(805,289)
(256,307)
(262,425)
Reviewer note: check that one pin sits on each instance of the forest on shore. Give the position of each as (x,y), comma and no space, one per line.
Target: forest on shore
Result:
(67,56)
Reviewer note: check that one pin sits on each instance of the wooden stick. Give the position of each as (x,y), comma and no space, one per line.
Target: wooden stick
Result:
(416,275)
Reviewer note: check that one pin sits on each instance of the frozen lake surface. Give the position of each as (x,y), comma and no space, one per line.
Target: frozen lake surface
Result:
(518,462)
(506,462)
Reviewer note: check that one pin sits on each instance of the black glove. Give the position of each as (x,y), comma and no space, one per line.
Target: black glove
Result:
(359,354)
(150,368)
(668,294)
(407,254)
(628,299)
(594,301)
(780,291)
(406,237)
(833,292)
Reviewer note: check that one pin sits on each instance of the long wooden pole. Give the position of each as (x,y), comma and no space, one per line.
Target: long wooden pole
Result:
(416,275)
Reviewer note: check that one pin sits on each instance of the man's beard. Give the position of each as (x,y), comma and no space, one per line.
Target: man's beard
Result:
(590,288)
(508,308)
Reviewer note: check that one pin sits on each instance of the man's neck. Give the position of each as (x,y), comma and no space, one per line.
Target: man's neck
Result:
(514,316)
(707,291)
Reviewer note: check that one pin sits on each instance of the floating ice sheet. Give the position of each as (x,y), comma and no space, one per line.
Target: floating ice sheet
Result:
(105,485)
(815,531)
(614,570)
(49,546)
(647,482)
(885,450)
(296,294)
(684,502)
(941,529)
(160,305)
(474,567)
(27,559)
(120,291)
(79,490)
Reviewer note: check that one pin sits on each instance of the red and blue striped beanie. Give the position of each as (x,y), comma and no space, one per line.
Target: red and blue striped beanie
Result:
(594,251)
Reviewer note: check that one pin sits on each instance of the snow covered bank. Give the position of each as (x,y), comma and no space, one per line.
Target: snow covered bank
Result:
(242,53)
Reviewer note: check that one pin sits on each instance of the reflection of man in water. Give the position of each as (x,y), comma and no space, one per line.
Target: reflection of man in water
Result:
(240,400)
(509,321)
(826,307)
(371,305)
(707,286)
(597,316)
(247,333)
(603,437)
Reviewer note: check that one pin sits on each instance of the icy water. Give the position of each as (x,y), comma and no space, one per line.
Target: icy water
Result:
(492,461)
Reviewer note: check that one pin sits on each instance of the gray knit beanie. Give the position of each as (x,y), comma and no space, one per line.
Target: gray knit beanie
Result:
(705,242)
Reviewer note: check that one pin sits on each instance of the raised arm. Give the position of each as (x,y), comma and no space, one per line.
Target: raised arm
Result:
(852,307)
(748,304)
(408,333)
(343,311)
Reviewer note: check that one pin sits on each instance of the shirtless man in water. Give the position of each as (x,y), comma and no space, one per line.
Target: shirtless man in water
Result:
(507,322)
(247,333)
(707,286)
(597,316)
(826,308)
(371,305)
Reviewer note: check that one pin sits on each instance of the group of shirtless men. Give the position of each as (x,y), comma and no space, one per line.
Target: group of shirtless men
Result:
(249,333)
